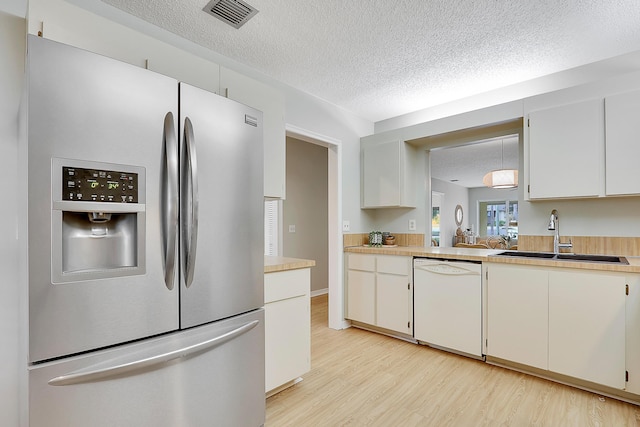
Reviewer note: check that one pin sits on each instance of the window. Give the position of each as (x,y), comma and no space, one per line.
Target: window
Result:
(272,227)
(499,218)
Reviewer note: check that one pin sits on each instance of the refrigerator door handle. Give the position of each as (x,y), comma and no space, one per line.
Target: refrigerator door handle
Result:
(98,374)
(170,200)
(190,202)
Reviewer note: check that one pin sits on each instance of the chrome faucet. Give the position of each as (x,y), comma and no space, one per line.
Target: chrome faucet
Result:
(554,225)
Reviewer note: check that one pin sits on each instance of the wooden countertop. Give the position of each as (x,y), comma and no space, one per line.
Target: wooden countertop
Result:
(278,263)
(486,255)
(466,254)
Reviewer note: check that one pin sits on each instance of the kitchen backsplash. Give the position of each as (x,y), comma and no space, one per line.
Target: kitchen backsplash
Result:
(359,239)
(600,245)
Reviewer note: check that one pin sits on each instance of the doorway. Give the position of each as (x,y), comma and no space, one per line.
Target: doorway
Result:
(334,218)
(305,232)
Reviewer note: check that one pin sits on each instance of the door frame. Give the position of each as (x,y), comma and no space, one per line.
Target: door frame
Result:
(334,186)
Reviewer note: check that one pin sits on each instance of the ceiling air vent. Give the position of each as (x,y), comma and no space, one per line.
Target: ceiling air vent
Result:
(234,12)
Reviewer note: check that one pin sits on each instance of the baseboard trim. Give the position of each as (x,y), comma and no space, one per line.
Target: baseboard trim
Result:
(319,292)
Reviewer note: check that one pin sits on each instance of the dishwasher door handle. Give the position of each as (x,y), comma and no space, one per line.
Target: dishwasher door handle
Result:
(447,270)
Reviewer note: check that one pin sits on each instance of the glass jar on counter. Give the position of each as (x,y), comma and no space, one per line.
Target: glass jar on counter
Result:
(375,238)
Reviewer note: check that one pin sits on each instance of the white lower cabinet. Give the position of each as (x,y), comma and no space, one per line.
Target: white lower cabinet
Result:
(392,304)
(379,291)
(517,314)
(587,326)
(567,321)
(361,296)
(632,339)
(287,326)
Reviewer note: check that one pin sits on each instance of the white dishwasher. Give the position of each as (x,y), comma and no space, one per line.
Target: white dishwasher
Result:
(447,303)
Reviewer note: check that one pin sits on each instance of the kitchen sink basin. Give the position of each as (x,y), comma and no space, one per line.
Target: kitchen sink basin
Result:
(592,258)
(524,254)
(566,257)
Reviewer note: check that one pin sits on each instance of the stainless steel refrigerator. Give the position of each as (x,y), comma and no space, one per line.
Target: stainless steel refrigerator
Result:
(145,237)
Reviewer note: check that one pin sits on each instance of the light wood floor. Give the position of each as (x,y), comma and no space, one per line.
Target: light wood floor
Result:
(362,378)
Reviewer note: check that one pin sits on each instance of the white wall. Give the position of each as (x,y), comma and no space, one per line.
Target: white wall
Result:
(306,207)
(12,30)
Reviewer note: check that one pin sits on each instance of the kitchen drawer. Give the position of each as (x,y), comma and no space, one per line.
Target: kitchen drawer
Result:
(391,264)
(286,284)
(362,262)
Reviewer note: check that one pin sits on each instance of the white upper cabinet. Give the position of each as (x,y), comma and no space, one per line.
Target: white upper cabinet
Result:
(271,102)
(187,68)
(388,175)
(622,143)
(566,151)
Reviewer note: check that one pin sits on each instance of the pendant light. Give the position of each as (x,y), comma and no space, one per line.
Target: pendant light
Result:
(501,178)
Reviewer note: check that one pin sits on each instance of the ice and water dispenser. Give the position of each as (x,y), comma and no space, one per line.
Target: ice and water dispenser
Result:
(98,220)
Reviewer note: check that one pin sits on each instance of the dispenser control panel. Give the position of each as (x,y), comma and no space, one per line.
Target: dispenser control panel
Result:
(94,185)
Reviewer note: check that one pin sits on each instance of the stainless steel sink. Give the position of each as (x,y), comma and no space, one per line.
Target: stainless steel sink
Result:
(593,258)
(567,257)
(525,254)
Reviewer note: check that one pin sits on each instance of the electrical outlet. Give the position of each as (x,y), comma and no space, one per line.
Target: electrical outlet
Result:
(412,225)
(346,226)
(292,228)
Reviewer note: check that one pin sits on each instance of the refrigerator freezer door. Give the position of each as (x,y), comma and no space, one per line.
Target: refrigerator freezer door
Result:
(222,207)
(210,375)
(88,108)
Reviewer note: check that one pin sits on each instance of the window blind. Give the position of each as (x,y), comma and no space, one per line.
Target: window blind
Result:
(271,227)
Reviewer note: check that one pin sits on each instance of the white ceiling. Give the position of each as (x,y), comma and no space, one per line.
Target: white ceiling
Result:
(380,59)
(466,165)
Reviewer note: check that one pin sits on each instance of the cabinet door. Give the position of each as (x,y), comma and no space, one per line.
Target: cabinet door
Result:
(393,302)
(381,175)
(517,314)
(271,102)
(361,296)
(186,68)
(622,112)
(566,151)
(587,326)
(287,340)
(632,314)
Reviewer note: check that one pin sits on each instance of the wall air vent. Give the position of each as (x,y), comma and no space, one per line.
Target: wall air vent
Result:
(234,12)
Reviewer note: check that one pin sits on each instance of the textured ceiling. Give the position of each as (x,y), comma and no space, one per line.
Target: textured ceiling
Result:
(466,165)
(380,59)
